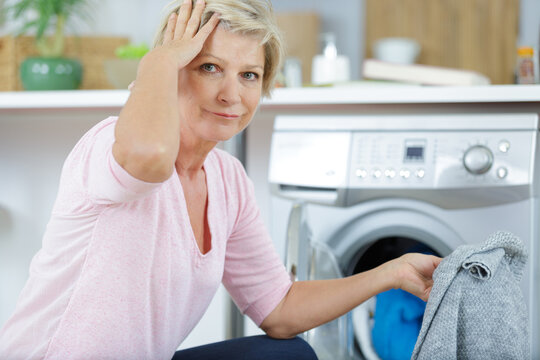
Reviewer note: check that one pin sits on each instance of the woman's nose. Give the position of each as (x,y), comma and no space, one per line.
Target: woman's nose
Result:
(229,91)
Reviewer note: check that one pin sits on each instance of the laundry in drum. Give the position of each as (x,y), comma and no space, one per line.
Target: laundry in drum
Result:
(397,320)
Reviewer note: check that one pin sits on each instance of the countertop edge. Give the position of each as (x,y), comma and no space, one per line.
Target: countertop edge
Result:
(338,95)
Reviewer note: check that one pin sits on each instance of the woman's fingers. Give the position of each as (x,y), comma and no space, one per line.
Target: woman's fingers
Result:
(169,31)
(207,28)
(184,15)
(195,19)
(182,34)
(415,273)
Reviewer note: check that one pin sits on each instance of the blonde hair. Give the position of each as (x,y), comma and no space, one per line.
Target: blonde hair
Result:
(249,17)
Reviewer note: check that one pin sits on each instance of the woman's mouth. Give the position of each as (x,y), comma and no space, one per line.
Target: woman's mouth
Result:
(225,115)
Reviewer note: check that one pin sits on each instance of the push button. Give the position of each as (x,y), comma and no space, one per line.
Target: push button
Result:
(405,173)
(361,173)
(504,146)
(502,172)
(390,173)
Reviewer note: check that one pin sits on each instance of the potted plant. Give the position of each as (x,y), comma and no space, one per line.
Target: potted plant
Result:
(50,70)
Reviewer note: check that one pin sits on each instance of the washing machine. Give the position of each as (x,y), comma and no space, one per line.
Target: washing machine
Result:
(351,192)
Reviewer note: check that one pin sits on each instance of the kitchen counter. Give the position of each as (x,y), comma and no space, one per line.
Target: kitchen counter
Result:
(286,97)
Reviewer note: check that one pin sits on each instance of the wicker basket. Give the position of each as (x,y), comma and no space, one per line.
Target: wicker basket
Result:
(90,51)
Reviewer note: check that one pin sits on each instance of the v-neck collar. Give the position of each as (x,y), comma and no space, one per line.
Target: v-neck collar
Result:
(208,171)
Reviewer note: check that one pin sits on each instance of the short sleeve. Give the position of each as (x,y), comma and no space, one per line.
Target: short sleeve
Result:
(254,274)
(103,179)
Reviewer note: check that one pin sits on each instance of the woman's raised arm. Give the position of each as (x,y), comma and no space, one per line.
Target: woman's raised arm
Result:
(147,135)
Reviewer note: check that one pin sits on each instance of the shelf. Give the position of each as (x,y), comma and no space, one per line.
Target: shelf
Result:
(405,94)
(359,94)
(75,99)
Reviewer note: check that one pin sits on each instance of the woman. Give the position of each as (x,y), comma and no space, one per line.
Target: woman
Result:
(150,217)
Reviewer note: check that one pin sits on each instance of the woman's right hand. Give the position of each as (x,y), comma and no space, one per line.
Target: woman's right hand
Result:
(182,39)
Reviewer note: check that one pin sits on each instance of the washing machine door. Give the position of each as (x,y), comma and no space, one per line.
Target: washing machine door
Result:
(333,340)
(401,225)
(305,260)
(380,232)
(297,241)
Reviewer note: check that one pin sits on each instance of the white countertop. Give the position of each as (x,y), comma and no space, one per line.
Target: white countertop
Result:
(403,94)
(350,94)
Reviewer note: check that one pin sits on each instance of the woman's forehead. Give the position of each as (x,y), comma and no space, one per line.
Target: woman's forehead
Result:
(230,45)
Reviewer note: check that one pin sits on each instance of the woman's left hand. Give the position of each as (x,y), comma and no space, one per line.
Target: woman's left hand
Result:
(414,273)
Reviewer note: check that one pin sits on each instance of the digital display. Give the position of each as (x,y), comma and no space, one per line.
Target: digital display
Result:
(414,150)
(416,153)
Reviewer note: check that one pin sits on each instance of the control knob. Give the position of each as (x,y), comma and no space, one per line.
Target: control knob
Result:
(478,159)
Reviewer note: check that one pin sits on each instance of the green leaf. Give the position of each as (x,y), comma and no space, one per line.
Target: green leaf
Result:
(25,27)
(131,51)
(21,8)
(48,13)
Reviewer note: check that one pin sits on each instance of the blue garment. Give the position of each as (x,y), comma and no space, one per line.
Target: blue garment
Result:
(250,348)
(397,323)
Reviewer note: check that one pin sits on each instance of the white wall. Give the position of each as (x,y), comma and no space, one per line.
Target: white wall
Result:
(529,26)
(136,19)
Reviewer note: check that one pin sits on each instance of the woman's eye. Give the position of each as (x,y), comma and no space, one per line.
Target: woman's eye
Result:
(251,76)
(209,67)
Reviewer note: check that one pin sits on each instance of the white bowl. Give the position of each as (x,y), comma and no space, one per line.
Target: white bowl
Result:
(396,50)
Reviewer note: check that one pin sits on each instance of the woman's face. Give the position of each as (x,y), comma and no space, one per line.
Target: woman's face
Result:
(219,90)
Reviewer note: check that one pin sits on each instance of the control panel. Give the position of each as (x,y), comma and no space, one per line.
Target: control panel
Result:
(449,160)
(440,159)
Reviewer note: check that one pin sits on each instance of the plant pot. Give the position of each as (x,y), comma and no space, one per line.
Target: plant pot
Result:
(42,73)
(121,72)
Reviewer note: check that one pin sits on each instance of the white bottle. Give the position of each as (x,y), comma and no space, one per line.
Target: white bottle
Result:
(293,72)
(329,67)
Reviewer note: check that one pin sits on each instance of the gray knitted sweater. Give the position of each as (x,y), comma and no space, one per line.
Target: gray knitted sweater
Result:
(476,308)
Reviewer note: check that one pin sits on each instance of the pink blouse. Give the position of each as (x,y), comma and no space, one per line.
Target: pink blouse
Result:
(120,275)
